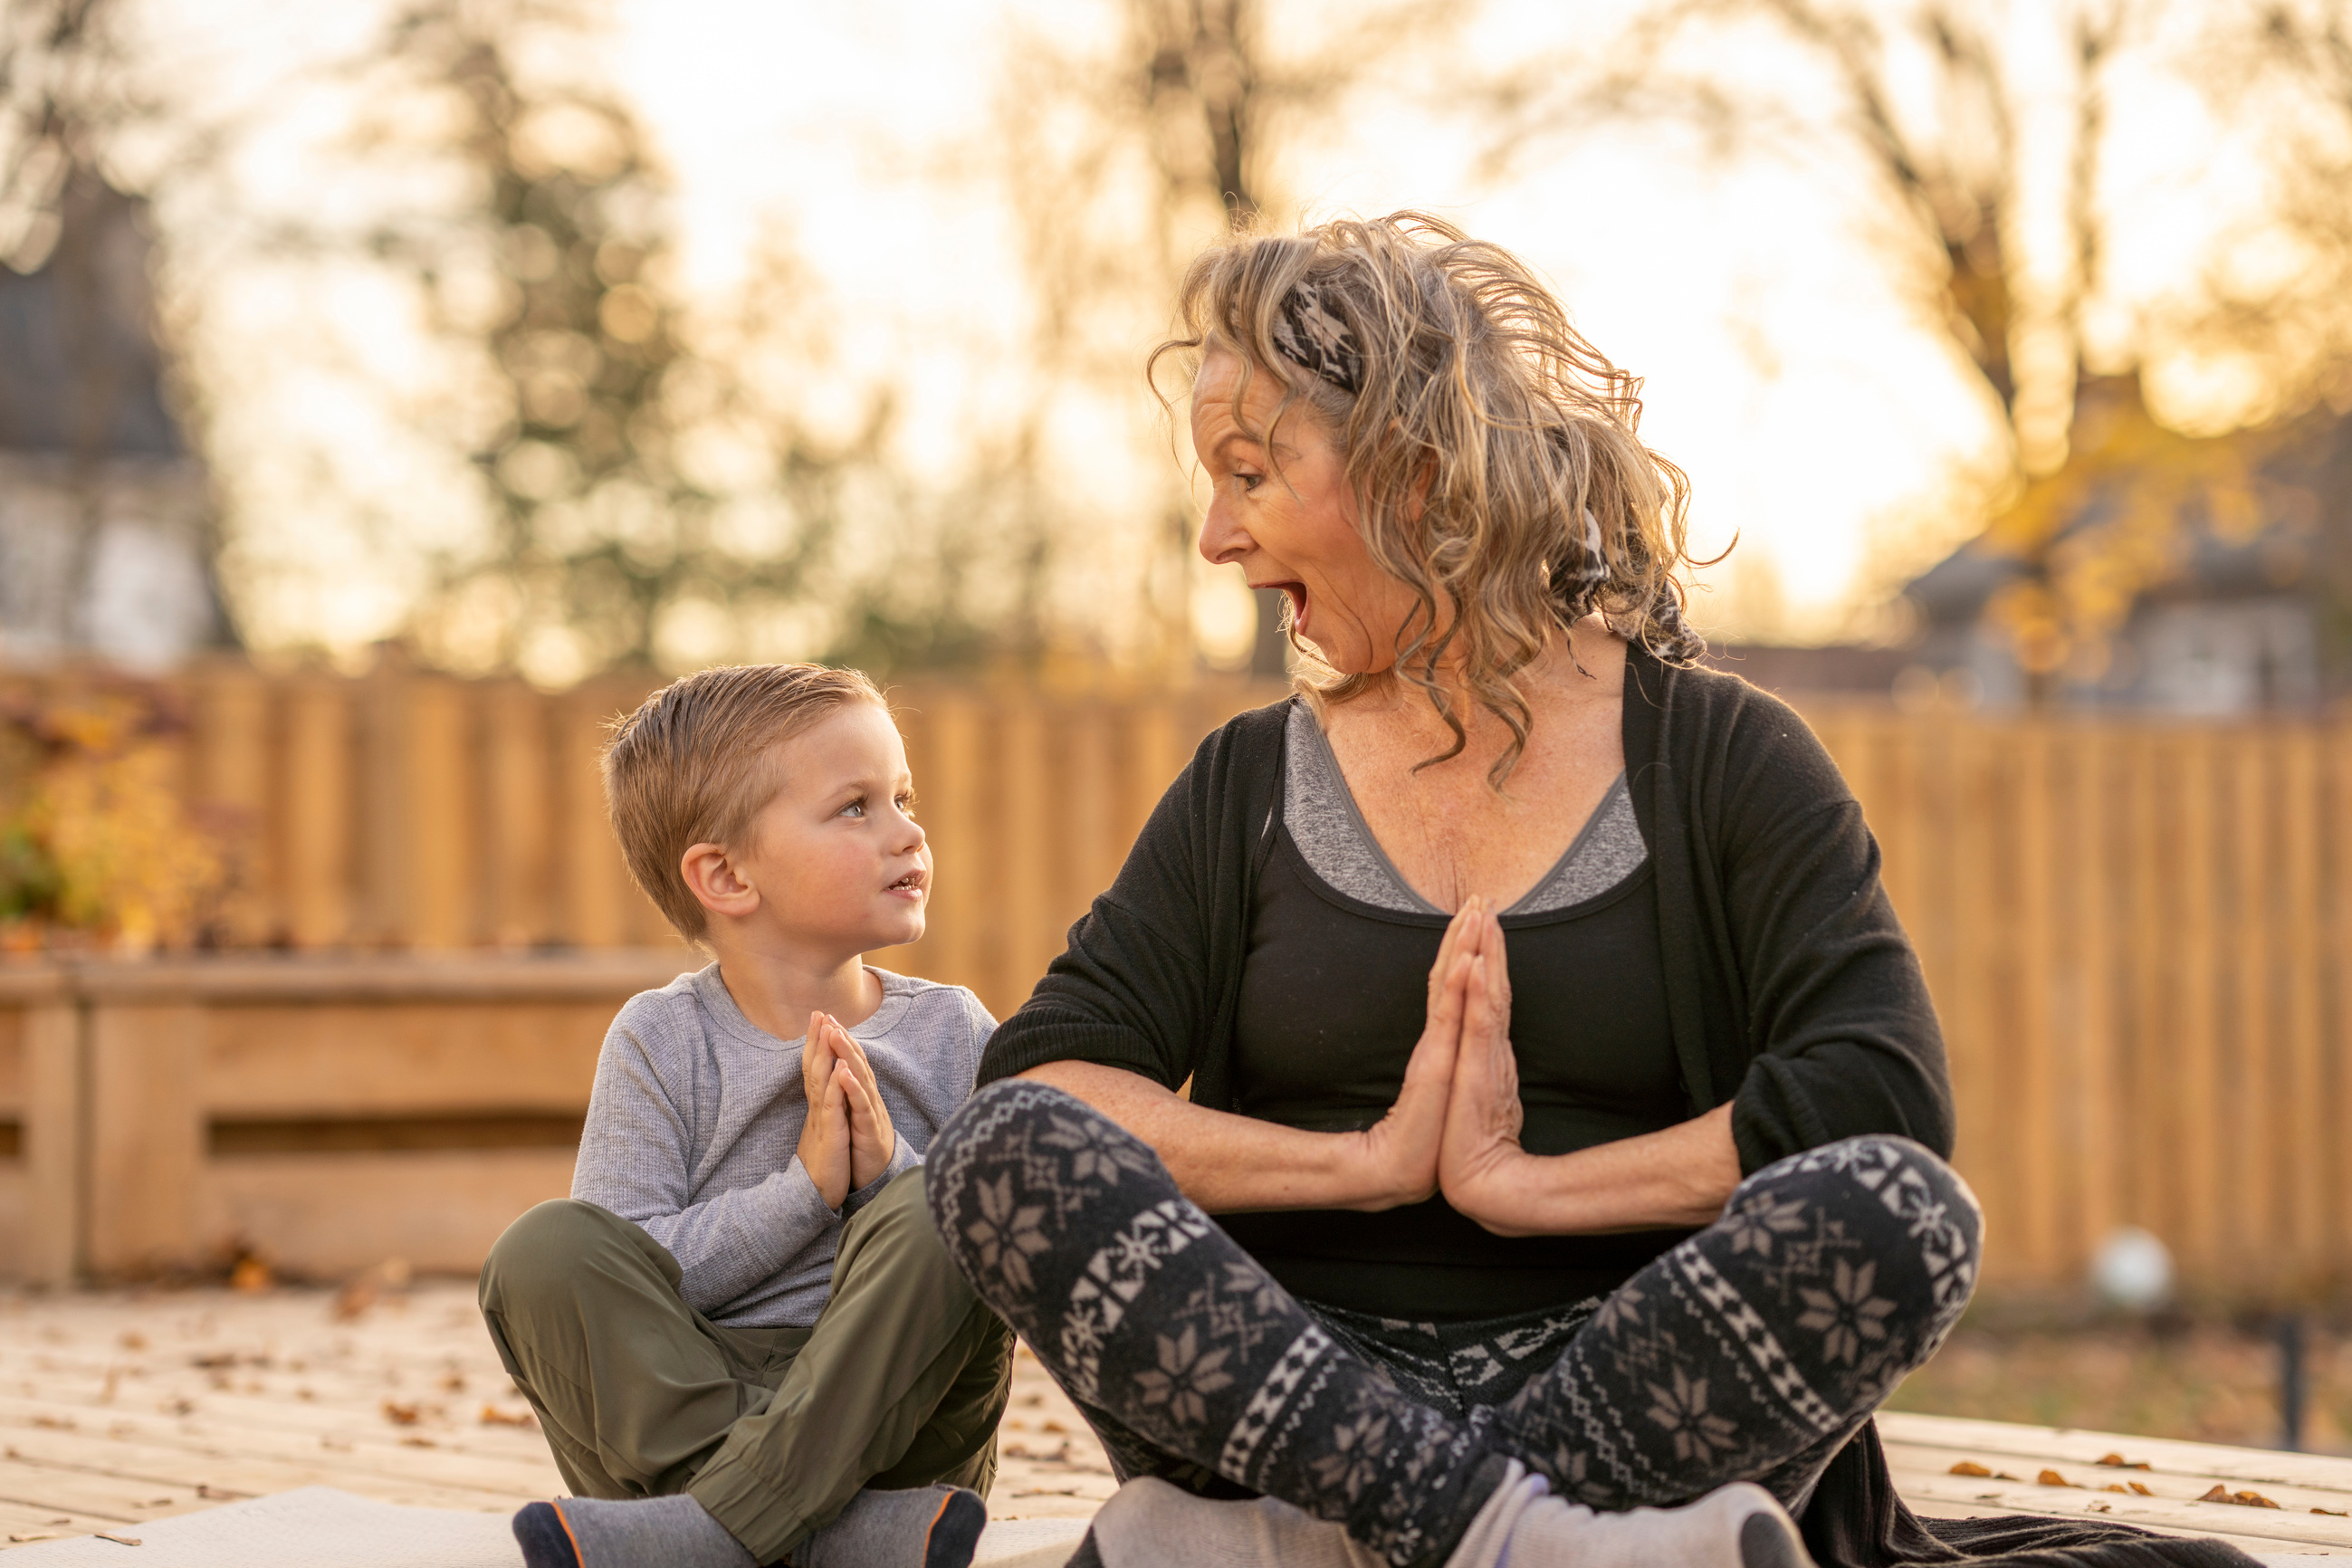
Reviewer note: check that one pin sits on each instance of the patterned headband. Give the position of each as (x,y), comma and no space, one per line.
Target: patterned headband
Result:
(1312,336)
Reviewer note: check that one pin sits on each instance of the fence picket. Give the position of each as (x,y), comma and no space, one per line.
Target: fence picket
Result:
(2138,935)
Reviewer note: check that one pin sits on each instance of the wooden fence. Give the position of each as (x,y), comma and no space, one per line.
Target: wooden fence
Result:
(2140,936)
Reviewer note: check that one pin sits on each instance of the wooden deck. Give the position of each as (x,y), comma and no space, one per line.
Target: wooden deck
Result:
(119,1408)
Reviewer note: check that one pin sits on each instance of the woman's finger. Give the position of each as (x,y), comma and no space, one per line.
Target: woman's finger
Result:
(1459,931)
(1498,973)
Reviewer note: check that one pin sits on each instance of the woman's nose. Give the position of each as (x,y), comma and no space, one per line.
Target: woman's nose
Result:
(1221,538)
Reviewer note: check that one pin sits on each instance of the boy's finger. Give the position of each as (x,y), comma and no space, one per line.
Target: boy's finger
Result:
(853,1094)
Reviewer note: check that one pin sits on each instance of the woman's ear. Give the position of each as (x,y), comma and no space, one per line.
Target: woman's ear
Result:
(716,882)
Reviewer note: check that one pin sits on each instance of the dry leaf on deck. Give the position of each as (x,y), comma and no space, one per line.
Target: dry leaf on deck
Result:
(2118,1462)
(1969,1468)
(2139,1488)
(401,1415)
(2242,1499)
(2052,1478)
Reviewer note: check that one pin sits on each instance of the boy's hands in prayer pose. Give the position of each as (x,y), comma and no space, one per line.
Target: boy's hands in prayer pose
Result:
(847,1140)
(872,1141)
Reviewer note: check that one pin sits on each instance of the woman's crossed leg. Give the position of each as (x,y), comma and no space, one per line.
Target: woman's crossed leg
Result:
(1748,1352)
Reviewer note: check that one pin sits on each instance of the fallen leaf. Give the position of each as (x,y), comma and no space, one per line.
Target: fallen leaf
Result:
(2052,1478)
(2242,1499)
(19,1540)
(494,1417)
(2005,1475)
(418,1443)
(1969,1468)
(2111,1486)
(401,1415)
(2139,1488)
(54,1423)
(250,1275)
(2102,1508)
(118,1540)
(2333,1512)
(2118,1462)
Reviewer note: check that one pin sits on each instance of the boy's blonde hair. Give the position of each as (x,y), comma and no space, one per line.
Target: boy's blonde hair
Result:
(696,761)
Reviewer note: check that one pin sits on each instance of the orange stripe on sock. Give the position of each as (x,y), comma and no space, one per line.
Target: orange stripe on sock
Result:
(577,1555)
(928,1528)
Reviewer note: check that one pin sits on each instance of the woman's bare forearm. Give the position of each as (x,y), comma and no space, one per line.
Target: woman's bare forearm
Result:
(1229,1163)
(1679,1176)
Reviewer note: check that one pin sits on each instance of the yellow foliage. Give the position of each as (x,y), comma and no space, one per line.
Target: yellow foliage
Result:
(102,843)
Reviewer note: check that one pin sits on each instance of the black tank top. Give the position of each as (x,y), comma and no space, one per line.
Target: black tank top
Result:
(1333,997)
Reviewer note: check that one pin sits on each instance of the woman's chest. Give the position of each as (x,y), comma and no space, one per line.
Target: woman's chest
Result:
(1332,1001)
(1450,834)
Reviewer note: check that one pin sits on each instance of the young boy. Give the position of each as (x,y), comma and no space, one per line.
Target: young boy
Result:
(741,1335)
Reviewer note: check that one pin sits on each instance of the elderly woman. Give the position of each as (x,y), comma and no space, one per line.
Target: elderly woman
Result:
(1521,999)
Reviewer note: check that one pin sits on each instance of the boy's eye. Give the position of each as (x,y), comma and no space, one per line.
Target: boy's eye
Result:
(906,804)
(854,808)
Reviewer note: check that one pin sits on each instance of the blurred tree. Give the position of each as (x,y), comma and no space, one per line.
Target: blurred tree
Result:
(1122,161)
(600,548)
(651,501)
(1923,97)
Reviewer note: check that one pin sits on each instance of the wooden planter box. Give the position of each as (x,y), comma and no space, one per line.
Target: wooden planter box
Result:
(320,1113)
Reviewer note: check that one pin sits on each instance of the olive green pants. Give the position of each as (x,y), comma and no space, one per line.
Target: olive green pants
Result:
(899,1383)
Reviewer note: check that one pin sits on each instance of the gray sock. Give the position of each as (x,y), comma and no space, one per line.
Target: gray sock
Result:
(674,1532)
(925,1527)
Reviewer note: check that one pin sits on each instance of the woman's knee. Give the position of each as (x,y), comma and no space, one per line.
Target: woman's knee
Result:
(1022,1119)
(1884,1189)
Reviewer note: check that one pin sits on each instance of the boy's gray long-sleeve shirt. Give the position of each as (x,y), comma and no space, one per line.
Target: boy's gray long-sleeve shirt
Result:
(693,1130)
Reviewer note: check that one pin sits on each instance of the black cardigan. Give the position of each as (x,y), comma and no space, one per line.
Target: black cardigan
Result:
(1793,990)
(1793,993)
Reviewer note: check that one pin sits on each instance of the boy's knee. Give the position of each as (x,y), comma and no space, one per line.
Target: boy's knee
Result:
(894,1231)
(543,1251)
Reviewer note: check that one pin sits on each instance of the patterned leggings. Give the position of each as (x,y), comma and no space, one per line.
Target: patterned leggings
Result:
(1752,1350)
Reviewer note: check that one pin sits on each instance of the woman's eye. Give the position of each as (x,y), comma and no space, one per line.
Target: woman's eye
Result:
(1247,481)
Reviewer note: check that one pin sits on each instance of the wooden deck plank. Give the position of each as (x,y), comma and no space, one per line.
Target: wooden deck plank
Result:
(109,1404)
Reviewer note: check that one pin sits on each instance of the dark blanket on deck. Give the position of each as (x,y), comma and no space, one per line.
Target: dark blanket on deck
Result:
(1857,1520)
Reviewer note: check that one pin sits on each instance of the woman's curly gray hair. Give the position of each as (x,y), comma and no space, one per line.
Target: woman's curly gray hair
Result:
(1450,377)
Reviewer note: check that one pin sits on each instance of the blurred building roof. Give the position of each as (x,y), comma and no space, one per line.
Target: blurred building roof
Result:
(79,370)
(2249,607)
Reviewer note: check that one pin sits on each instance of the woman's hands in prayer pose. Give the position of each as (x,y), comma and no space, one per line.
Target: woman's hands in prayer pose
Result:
(1679,1176)
(1479,1157)
(1455,1128)
(1406,1144)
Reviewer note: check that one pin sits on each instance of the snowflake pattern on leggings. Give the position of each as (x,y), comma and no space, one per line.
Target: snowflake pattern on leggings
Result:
(1751,1351)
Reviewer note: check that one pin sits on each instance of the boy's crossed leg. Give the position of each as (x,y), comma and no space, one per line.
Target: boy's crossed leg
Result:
(899,1385)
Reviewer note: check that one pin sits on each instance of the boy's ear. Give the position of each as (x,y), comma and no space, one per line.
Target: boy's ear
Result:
(716,883)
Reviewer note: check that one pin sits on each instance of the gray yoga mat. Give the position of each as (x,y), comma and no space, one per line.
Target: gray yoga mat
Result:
(320,1527)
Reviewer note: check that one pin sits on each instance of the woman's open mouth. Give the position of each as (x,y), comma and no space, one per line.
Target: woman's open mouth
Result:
(1296,593)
